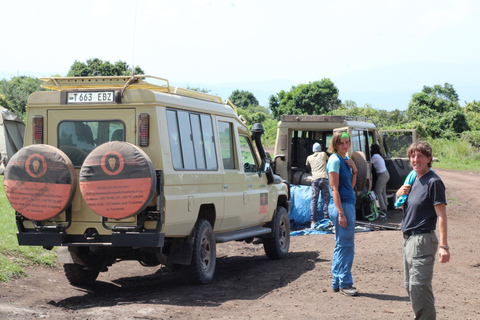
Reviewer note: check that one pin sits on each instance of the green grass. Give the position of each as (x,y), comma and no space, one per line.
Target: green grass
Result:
(14,258)
(456,155)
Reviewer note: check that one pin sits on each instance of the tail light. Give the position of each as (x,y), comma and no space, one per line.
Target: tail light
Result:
(144,130)
(38,130)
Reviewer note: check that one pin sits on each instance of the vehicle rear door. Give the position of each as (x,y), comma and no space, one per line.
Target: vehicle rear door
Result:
(395,144)
(78,131)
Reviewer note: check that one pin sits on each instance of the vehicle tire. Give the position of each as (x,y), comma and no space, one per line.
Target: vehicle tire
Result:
(277,246)
(204,256)
(361,163)
(79,275)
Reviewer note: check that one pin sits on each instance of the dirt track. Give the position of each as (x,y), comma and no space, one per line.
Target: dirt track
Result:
(249,286)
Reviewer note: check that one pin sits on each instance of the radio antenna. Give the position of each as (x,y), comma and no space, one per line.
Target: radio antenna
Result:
(133,45)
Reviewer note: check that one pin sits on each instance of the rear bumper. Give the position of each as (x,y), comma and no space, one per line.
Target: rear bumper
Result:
(117,239)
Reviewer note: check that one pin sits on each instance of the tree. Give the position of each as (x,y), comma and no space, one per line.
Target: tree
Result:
(436,113)
(247,106)
(472,112)
(243,99)
(16,91)
(317,97)
(432,101)
(97,67)
(4,102)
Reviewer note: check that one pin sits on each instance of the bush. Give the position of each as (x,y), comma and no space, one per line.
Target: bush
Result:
(472,137)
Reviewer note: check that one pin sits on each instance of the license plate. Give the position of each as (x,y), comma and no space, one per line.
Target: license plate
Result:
(91,97)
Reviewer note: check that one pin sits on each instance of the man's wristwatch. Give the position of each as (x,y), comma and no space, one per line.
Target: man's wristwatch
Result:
(446,247)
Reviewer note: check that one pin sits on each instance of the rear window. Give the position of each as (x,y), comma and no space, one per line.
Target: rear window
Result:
(78,138)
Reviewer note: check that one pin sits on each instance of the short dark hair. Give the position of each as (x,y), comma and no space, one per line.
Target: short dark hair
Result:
(423,147)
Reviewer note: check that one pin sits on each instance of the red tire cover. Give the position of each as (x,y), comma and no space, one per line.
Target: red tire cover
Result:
(40,181)
(117,180)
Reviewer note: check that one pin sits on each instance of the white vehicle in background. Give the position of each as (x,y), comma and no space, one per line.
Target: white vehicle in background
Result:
(296,135)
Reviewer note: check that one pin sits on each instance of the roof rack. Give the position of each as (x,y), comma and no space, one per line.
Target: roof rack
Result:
(324,118)
(124,83)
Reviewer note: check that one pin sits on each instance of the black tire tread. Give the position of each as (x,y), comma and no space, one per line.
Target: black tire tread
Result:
(273,247)
(79,275)
(195,273)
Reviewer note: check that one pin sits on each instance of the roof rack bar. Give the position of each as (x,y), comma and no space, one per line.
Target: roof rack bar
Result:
(123,83)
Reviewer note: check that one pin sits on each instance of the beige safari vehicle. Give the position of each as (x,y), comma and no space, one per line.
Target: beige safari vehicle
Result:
(296,135)
(118,168)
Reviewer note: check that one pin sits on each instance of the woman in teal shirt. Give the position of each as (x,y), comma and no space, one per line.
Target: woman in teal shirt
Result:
(342,176)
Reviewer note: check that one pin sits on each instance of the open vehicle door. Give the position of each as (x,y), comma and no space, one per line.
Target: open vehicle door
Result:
(395,144)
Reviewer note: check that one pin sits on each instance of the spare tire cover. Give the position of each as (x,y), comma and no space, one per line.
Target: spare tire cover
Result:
(40,181)
(117,180)
(361,163)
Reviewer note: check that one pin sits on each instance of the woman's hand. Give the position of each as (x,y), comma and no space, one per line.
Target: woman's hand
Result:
(342,220)
(351,164)
(404,190)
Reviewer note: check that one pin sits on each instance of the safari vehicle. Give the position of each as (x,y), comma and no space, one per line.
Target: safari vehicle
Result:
(118,168)
(296,135)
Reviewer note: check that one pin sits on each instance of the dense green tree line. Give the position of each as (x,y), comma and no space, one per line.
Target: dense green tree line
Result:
(435,111)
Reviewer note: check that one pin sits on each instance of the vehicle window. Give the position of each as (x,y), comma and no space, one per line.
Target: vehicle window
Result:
(396,144)
(225,132)
(328,139)
(360,141)
(191,140)
(78,138)
(248,158)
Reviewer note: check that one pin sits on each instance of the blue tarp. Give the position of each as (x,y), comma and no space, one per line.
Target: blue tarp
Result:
(321,227)
(301,198)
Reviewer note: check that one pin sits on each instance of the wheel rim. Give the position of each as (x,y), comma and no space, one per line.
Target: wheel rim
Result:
(206,253)
(282,233)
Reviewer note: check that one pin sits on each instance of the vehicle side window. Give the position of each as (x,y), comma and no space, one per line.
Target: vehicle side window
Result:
(360,141)
(191,140)
(225,132)
(248,158)
(78,138)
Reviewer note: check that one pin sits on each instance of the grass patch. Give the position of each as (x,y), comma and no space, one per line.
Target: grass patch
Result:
(13,258)
(453,201)
(455,154)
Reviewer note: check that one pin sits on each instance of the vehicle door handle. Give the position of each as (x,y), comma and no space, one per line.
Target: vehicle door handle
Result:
(225,186)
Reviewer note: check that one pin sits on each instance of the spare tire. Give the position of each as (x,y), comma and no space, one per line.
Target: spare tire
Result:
(40,181)
(117,180)
(361,163)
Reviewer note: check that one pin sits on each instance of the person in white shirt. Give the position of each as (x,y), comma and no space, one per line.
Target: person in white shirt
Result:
(382,177)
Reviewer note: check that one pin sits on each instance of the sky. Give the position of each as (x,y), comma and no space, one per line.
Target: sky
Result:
(376,52)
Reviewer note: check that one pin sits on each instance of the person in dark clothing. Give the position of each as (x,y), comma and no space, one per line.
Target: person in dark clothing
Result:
(425,205)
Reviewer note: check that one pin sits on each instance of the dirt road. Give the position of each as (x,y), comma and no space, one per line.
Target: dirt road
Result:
(249,286)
